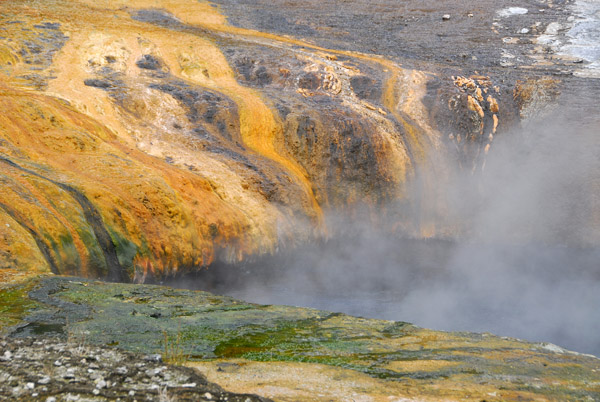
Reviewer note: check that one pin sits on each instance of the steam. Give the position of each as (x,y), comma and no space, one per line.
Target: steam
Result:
(528,265)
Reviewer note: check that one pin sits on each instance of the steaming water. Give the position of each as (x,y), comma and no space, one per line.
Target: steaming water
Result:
(543,294)
(527,267)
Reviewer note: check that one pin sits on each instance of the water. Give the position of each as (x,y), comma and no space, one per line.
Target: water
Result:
(537,293)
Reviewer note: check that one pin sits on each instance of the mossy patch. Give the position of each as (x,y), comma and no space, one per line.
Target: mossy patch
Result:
(15,304)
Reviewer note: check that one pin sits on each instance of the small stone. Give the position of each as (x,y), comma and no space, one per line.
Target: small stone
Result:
(131,393)
(101,384)
(96,391)
(35,394)
(190,385)
(446,17)
(553,28)
(44,380)
(153,358)
(58,363)
(8,355)
(524,30)
(470,15)
(30,385)
(571,19)
(51,399)
(208,395)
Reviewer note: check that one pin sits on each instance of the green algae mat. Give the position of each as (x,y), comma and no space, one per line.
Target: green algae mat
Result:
(183,325)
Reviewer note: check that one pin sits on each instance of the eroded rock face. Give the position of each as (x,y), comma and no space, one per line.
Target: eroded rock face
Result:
(143,139)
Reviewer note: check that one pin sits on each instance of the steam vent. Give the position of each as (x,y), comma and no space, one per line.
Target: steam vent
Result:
(210,145)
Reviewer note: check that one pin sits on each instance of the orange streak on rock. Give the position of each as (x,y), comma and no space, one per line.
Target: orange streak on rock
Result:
(41,198)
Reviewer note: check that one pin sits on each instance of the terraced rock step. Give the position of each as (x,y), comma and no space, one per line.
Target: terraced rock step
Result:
(230,338)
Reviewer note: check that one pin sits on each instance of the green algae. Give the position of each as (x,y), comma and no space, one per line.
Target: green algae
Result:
(126,250)
(15,304)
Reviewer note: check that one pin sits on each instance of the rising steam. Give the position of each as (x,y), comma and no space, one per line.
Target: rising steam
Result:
(527,265)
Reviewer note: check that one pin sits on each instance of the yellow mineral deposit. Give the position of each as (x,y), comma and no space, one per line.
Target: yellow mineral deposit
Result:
(164,202)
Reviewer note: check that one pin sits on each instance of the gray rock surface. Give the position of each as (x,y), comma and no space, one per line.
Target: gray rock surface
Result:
(46,369)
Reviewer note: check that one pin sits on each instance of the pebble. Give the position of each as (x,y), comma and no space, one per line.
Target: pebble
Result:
(208,395)
(153,358)
(91,384)
(553,28)
(446,17)
(525,30)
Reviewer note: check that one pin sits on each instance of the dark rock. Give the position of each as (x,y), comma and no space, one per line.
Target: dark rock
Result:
(97,83)
(366,87)
(310,81)
(149,62)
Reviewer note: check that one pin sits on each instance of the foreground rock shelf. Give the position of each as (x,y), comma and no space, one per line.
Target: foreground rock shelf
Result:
(271,350)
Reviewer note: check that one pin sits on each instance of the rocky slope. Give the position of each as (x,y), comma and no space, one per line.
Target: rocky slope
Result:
(148,138)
